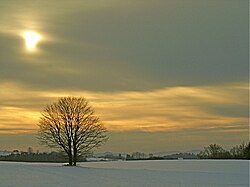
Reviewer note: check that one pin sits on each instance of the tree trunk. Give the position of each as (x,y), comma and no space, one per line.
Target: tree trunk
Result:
(75,156)
(75,146)
(70,152)
(70,158)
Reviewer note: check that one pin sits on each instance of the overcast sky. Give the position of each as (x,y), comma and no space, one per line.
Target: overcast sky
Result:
(162,75)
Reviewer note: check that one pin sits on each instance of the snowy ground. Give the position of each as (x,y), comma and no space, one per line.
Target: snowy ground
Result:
(178,173)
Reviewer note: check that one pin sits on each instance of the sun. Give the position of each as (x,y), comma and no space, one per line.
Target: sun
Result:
(31,40)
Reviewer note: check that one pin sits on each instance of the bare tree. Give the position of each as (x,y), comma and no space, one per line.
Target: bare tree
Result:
(214,151)
(70,125)
(238,150)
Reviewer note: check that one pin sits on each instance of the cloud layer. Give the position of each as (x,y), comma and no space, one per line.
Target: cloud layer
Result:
(167,117)
(221,107)
(163,70)
(124,46)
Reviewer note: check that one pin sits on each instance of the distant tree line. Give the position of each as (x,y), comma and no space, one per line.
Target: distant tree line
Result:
(181,155)
(215,151)
(166,157)
(37,157)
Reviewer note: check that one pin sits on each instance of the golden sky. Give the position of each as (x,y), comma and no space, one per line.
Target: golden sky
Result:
(205,110)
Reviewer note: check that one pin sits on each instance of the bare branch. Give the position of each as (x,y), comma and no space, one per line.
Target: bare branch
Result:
(70,125)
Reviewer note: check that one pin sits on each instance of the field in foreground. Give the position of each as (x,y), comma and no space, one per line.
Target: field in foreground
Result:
(182,173)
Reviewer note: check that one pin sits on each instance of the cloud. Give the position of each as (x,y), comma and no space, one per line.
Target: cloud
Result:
(146,66)
(167,109)
(125,45)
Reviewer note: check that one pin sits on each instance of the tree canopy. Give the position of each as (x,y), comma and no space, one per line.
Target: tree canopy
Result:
(71,125)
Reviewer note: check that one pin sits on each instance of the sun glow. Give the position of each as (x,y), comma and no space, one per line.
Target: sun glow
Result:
(31,39)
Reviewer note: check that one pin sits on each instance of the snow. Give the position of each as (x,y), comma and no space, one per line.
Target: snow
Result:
(175,173)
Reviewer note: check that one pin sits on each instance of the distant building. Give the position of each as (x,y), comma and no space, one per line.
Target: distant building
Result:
(138,155)
(5,153)
(109,156)
(24,153)
(151,155)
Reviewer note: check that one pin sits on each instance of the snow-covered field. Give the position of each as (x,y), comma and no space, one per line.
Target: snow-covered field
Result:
(178,173)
